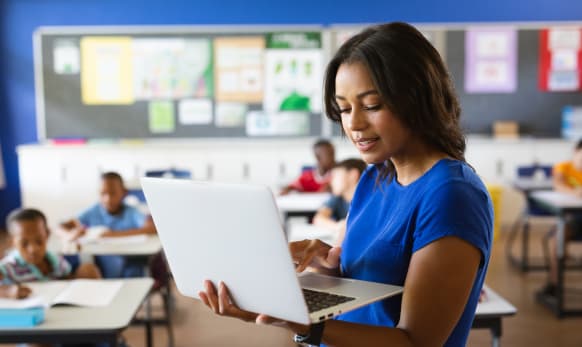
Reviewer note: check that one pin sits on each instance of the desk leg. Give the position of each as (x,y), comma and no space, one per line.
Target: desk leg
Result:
(148,332)
(560,252)
(496,333)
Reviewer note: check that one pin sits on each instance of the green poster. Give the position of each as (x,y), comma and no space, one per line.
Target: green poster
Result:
(161,117)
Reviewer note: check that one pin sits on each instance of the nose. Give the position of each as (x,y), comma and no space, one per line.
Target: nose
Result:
(357,120)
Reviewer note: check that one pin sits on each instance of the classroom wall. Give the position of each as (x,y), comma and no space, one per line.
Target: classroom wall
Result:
(19,18)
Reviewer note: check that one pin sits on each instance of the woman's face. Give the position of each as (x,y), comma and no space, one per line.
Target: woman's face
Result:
(366,120)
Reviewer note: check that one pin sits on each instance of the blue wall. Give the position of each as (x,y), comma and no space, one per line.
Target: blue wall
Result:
(19,18)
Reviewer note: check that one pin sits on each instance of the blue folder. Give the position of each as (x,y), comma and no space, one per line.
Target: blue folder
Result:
(25,317)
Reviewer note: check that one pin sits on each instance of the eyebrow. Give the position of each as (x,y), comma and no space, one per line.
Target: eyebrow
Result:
(359,96)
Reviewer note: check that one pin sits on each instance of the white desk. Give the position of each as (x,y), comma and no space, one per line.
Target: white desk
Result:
(71,324)
(300,202)
(150,245)
(300,205)
(562,205)
(528,185)
(490,312)
(301,231)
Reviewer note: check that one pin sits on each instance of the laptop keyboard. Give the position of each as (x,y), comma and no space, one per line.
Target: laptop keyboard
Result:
(320,300)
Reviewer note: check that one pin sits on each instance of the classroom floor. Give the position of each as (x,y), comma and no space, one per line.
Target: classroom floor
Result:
(533,325)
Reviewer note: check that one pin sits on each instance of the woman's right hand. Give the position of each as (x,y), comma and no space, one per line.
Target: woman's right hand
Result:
(317,255)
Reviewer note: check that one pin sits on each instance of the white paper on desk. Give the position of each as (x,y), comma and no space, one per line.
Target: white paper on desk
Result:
(90,293)
(92,234)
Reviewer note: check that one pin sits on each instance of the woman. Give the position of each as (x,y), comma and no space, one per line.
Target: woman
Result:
(420,217)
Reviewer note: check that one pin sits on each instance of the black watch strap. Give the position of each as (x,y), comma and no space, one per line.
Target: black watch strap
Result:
(313,338)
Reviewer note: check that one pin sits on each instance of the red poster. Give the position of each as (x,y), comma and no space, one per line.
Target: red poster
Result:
(560,65)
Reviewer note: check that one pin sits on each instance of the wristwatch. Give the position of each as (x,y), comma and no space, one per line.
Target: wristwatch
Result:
(313,337)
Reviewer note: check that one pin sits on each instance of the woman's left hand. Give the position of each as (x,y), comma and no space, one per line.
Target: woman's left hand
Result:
(221,303)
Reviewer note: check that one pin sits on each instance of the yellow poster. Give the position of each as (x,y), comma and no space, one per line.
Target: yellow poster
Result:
(106,71)
(239,68)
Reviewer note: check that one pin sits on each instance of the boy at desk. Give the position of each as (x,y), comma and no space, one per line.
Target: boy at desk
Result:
(344,179)
(118,218)
(567,178)
(30,260)
(317,179)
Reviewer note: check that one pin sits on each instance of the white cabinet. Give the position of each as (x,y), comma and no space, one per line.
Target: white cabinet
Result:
(63,180)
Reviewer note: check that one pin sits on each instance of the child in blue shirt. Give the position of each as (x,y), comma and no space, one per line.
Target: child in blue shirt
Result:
(344,179)
(30,261)
(119,218)
(420,217)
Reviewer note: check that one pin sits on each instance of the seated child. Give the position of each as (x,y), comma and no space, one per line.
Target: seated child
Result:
(119,218)
(30,260)
(315,180)
(344,179)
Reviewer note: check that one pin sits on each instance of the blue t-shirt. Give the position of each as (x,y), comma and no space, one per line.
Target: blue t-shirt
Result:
(114,266)
(338,206)
(129,218)
(388,222)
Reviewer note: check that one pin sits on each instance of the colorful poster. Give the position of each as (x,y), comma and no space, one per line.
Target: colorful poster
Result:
(230,114)
(66,57)
(172,68)
(106,70)
(293,72)
(491,60)
(195,111)
(560,59)
(288,123)
(161,117)
(238,68)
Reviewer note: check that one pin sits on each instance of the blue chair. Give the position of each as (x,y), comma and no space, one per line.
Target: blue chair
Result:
(532,209)
(169,173)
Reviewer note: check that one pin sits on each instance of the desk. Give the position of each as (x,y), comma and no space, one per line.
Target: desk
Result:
(71,324)
(140,252)
(490,312)
(148,246)
(526,186)
(562,205)
(298,232)
(300,204)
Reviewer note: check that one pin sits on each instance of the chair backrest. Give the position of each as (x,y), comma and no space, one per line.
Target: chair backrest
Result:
(530,170)
(534,170)
(169,173)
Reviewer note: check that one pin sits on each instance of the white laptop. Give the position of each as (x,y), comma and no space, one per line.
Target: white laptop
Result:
(233,233)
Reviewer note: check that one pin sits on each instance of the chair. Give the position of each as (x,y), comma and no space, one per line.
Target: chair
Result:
(532,209)
(167,173)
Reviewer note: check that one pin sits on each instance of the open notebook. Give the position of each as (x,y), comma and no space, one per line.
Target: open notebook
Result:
(81,292)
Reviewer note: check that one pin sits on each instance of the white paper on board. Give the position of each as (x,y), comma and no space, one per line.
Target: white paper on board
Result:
(230,114)
(66,57)
(195,111)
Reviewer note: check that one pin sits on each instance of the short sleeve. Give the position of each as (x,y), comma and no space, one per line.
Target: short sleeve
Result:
(456,208)
(61,267)
(332,202)
(5,278)
(86,216)
(559,168)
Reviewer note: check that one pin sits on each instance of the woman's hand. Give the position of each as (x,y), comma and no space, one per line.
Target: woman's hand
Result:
(317,255)
(221,303)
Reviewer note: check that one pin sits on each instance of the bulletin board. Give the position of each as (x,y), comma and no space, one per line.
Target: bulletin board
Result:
(178,82)
(538,112)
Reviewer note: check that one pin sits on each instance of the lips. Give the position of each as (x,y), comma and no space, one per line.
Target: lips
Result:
(366,143)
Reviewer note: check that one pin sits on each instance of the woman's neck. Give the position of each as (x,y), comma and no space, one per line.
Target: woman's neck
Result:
(415,162)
